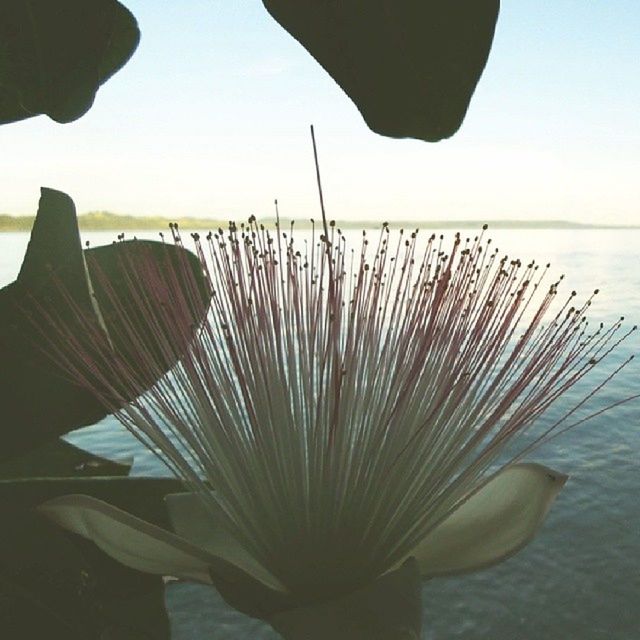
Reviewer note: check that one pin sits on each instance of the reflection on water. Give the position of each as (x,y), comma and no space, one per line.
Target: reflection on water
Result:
(580,578)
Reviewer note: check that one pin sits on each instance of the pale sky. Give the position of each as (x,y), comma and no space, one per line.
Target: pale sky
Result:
(211,118)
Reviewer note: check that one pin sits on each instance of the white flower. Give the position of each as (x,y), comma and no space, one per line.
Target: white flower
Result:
(338,416)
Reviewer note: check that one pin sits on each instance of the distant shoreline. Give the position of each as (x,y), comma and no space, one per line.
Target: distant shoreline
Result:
(106,221)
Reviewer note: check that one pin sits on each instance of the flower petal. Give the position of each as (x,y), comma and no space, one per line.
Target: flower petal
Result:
(388,609)
(143,546)
(193,521)
(494,523)
(133,542)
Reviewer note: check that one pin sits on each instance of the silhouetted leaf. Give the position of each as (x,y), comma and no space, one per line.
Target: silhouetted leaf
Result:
(124,274)
(61,459)
(54,55)
(410,66)
(143,497)
(37,399)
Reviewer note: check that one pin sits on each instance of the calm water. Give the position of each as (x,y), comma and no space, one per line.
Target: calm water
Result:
(580,578)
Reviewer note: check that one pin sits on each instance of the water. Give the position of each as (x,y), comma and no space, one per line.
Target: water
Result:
(580,578)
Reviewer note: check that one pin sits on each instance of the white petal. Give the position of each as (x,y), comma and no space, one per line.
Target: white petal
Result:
(388,609)
(198,524)
(143,546)
(493,524)
(130,540)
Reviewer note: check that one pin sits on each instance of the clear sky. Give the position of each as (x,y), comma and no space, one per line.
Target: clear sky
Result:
(211,115)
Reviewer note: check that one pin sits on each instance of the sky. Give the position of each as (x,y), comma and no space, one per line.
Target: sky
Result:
(211,118)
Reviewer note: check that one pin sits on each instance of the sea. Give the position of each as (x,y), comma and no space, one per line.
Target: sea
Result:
(579,579)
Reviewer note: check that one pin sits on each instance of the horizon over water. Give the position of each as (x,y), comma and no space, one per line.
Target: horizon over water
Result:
(580,577)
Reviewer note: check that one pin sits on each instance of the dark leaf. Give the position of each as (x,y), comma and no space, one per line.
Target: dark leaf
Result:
(410,66)
(37,399)
(60,459)
(142,497)
(124,274)
(54,55)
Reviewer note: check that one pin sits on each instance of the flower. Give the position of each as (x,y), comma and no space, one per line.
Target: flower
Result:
(339,417)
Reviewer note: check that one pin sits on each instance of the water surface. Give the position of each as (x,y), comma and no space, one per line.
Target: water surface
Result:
(580,578)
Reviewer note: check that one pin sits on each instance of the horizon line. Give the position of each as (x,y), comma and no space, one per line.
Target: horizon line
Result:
(108,221)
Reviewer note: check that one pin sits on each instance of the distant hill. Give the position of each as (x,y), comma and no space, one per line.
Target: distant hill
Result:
(106,221)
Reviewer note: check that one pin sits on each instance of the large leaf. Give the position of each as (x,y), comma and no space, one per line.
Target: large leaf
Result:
(61,459)
(55,55)
(38,401)
(410,66)
(56,585)
(143,497)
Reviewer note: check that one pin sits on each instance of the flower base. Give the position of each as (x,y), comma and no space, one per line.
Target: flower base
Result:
(388,609)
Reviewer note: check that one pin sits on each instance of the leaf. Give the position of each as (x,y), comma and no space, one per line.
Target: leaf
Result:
(142,497)
(410,67)
(38,401)
(134,270)
(60,458)
(55,55)
(54,241)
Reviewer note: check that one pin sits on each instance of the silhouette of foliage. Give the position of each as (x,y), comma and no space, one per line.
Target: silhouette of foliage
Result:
(55,55)
(61,459)
(410,67)
(37,400)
